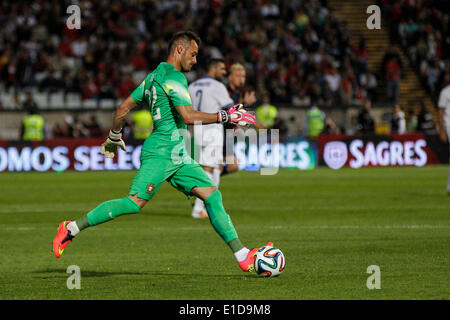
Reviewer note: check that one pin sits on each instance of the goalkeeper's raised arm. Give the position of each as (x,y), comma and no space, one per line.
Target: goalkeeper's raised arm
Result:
(114,139)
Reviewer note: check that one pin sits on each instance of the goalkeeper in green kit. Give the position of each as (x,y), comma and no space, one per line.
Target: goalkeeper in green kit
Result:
(163,155)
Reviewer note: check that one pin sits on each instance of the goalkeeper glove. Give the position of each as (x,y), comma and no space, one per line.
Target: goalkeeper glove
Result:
(114,140)
(237,115)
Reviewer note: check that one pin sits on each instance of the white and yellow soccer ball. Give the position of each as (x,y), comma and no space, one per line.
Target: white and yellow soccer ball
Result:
(269,262)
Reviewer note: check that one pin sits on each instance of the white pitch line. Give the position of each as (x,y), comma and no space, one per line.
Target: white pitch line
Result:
(57,207)
(201,228)
(377,227)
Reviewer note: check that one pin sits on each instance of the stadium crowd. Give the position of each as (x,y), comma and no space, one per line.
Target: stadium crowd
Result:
(422,27)
(296,50)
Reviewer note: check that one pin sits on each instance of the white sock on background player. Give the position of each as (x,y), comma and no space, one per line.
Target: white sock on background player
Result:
(216,177)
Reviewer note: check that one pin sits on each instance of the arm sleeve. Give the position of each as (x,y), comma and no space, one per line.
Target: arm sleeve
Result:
(223,97)
(176,89)
(138,94)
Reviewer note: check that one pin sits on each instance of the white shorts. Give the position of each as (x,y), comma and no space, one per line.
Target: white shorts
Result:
(209,140)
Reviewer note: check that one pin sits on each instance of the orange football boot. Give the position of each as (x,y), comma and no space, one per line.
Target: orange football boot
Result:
(62,239)
(247,264)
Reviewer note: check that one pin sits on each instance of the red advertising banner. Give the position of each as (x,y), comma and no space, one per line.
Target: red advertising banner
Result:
(336,151)
(64,154)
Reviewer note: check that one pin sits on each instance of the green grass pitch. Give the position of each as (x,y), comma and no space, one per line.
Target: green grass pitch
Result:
(331,225)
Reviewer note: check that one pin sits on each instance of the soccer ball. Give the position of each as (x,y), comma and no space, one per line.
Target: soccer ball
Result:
(269,262)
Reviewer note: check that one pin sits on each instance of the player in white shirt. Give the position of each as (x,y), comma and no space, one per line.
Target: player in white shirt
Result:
(444,118)
(208,94)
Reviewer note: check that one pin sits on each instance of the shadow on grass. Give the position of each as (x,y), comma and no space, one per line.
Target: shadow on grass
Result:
(51,273)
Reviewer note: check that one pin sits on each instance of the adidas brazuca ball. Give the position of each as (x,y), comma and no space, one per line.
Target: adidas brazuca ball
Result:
(269,262)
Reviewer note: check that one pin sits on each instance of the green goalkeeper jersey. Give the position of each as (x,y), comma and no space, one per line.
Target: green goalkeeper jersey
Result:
(163,90)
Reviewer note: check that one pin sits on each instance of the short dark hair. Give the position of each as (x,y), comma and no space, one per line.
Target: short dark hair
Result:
(214,62)
(185,37)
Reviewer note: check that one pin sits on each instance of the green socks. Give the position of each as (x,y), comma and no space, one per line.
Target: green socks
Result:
(107,211)
(221,221)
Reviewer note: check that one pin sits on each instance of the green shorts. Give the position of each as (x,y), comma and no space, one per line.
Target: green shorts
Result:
(155,170)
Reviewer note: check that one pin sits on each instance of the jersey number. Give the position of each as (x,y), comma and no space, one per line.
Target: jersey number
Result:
(199,95)
(156,113)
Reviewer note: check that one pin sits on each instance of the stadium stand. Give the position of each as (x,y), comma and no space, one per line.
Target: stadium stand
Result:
(301,52)
(421,28)
(301,59)
(382,46)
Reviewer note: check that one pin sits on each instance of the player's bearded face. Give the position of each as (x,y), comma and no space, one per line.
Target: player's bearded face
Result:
(221,71)
(189,56)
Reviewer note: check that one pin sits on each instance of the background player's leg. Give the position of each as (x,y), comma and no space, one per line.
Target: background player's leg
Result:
(231,165)
(216,176)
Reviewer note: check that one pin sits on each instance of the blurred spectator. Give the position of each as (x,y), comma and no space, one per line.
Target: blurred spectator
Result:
(347,87)
(71,84)
(430,71)
(352,125)
(266,112)
(314,122)
(236,85)
(362,55)
(125,87)
(16,101)
(90,89)
(333,80)
(281,125)
(398,122)
(412,121)
(392,65)
(366,124)
(79,130)
(239,92)
(58,131)
(105,87)
(330,127)
(51,83)
(67,127)
(368,82)
(93,127)
(32,128)
(29,103)
(425,120)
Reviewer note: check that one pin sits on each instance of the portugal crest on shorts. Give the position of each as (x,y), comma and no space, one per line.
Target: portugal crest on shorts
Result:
(150,187)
